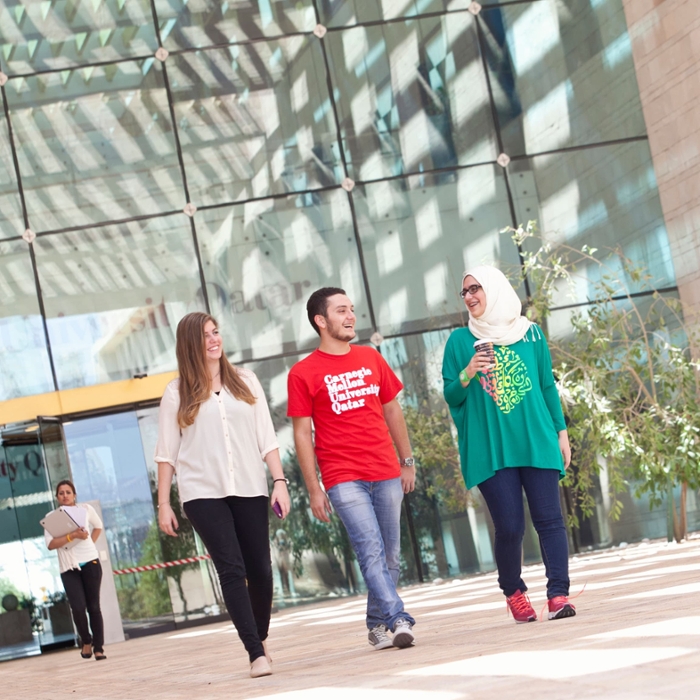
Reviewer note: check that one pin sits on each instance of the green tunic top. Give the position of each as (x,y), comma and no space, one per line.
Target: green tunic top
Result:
(509,417)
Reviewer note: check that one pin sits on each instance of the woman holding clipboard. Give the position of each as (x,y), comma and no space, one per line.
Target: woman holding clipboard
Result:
(81,572)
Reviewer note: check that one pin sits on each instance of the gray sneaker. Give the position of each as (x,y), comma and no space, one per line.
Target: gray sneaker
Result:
(403,634)
(379,638)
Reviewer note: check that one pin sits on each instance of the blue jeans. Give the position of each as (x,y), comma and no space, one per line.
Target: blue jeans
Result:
(503,494)
(371,513)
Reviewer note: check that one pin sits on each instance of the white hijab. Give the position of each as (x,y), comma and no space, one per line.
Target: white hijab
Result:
(501,322)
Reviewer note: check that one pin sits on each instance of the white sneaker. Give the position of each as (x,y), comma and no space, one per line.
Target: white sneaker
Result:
(403,634)
(379,638)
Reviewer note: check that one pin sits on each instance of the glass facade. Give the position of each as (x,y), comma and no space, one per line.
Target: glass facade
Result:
(162,157)
(364,152)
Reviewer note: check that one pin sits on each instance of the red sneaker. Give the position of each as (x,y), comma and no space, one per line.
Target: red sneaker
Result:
(560,607)
(520,608)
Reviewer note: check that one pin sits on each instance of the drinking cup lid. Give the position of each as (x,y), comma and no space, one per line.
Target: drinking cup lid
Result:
(482,341)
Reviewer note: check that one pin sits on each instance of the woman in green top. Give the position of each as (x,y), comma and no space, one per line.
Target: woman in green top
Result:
(512,435)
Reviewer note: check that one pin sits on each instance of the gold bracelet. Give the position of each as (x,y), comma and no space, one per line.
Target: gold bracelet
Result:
(68,537)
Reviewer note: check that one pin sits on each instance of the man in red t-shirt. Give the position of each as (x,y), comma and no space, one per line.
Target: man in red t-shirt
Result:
(349,392)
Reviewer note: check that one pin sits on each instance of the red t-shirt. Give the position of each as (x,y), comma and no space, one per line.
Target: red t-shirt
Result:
(344,395)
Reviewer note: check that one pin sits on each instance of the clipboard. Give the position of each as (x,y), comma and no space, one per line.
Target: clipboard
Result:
(78,514)
(58,523)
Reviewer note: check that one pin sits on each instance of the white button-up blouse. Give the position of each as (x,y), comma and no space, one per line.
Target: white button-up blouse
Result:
(221,453)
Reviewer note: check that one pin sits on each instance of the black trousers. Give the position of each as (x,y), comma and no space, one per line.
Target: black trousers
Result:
(236,534)
(83,590)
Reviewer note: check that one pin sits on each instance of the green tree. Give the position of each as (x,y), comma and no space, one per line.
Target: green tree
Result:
(153,585)
(305,533)
(159,547)
(439,476)
(440,488)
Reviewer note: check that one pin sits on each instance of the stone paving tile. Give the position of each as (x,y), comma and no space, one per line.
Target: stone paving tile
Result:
(467,647)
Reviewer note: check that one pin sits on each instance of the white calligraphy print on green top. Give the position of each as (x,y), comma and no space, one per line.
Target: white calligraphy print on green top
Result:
(508,381)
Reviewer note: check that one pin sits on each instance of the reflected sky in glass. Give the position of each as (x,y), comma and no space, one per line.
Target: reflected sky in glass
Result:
(113,297)
(262,260)
(24,361)
(605,197)
(345,13)
(11,221)
(185,24)
(254,120)
(420,233)
(411,96)
(95,144)
(108,465)
(38,35)
(562,74)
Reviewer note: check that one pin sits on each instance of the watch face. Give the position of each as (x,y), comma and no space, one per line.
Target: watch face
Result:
(409,462)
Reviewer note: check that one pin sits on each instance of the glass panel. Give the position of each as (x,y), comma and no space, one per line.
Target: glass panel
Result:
(53,445)
(24,360)
(338,13)
(23,464)
(605,197)
(194,590)
(108,465)
(39,35)
(263,259)
(113,297)
(420,233)
(562,74)
(95,144)
(411,96)
(28,571)
(186,24)
(11,221)
(254,120)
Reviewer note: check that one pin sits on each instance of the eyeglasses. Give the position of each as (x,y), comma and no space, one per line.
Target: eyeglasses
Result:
(473,289)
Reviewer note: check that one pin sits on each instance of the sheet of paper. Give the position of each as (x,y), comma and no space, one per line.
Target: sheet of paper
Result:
(78,514)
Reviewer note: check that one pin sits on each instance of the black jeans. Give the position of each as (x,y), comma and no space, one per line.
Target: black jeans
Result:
(236,534)
(503,494)
(83,590)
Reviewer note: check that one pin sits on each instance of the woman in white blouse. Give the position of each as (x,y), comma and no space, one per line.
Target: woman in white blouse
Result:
(215,430)
(81,572)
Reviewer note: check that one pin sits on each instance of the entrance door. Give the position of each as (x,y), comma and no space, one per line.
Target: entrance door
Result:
(29,577)
(58,627)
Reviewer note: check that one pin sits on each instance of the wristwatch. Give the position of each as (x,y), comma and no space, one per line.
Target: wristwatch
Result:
(408,462)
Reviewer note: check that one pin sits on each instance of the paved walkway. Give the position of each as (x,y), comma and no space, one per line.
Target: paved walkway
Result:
(637,637)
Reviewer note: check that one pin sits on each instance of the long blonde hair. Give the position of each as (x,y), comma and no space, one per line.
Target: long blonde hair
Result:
(195,380)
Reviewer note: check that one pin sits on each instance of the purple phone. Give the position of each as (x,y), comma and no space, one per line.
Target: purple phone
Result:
(277,509)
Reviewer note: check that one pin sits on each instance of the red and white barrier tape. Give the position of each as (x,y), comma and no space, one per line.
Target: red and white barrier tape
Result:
(163,565)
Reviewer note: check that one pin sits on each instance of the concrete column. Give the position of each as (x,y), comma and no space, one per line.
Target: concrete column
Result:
(666,49)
